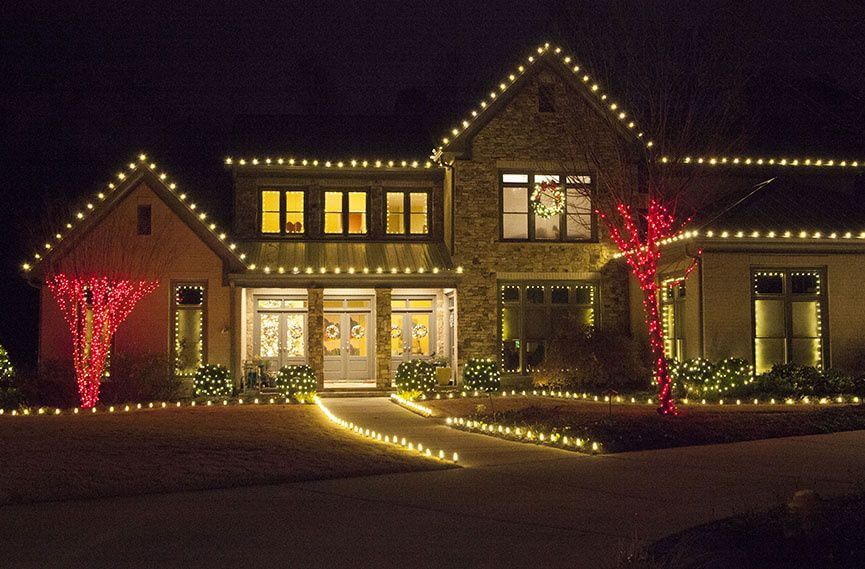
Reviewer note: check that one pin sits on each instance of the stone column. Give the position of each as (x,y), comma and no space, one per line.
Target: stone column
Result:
(382,338)
(315,333)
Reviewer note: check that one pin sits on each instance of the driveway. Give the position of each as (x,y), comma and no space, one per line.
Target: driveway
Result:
(512,505)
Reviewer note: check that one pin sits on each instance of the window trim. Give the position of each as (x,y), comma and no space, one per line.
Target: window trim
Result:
(174,307)
(282,234)
(593,238)
(546,304)
(788,298)
(407,234)
(345,213)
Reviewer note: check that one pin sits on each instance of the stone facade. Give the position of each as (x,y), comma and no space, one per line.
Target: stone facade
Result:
(315,332)
(382,345)
(519,137)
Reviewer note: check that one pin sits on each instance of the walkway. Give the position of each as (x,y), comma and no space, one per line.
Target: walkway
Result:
(514,507)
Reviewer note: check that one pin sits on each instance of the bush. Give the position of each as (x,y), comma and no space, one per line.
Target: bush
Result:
(10,396)
(53,385)
(139,377)
(702,378)
(482,374)
(414,378)
(792,380)
(297,381)
(578,358)
(212,380)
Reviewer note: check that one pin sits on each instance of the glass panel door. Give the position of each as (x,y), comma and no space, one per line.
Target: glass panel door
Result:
(420,333)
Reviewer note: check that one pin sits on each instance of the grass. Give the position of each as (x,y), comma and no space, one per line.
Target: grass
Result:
(168,450)
(818,533)
(639,427)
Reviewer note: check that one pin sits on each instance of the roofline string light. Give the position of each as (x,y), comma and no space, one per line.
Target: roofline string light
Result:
(352,163)
(591,85)
(111,187)
(750,161)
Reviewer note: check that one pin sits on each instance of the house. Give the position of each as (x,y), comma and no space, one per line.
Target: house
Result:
(355,264)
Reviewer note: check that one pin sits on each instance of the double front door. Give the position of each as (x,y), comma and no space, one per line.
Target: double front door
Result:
(412,330)
(280,332)
(348,328)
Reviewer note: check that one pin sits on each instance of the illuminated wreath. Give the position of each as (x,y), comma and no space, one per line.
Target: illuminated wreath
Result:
(358,331)
(548,192)
(419,331)
(295,331)
(395,331)
(331,332)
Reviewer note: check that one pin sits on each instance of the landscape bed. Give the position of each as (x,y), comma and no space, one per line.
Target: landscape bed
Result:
(165,450)
(630,427)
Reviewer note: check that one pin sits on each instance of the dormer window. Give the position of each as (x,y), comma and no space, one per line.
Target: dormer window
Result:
(282,212)
(407,213)
(345,213)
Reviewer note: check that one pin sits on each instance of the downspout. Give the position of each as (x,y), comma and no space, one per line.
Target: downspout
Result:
(699,260)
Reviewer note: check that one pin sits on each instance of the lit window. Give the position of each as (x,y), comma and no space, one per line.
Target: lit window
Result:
(345,213)
(407,212)
(188,346)
(529,313)
(788,313)
(672,318)
(282,212)
(575,223)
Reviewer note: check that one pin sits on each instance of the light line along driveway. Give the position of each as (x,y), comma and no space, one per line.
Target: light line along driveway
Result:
(516,506)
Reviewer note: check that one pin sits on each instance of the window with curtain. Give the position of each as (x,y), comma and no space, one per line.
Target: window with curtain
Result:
(518,220)
(345,212)
(188,344)
(282,212)
(788,318)
(407,213)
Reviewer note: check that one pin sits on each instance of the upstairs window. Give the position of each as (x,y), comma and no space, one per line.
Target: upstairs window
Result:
(282,212)
(345,213)
(519,222)
(407,213)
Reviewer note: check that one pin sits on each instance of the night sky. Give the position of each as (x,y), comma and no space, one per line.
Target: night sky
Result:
(84,86)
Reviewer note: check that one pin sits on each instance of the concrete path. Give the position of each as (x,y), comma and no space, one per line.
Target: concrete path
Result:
(516,506)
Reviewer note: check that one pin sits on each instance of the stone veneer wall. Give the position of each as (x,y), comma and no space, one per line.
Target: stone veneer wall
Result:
(382,333)
(315,333)
(521,137)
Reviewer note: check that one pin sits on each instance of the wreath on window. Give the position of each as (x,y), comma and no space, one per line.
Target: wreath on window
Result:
(295,331)
(331,332)
(358,331)
(395,331)
(548,200)
(419,331)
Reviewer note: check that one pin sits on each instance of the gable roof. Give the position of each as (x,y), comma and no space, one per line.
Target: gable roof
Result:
(138,171)
(565,64)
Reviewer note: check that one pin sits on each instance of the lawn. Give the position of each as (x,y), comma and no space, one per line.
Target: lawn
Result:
(167,450)
(807,533)
(638,427)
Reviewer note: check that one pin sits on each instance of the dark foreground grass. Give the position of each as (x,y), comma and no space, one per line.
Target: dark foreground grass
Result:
(167,450)
(806,534)
(625,428)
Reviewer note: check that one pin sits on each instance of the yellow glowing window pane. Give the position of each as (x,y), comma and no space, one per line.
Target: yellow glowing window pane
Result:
(270,222)
(333,202)
(420,303)
(395,213)
(418,215)
(357,202)
(293,201)
(270,201)
(397,342)
(333,223)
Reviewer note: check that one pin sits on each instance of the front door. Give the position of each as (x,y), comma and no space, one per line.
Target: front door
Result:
(348,326)
(412,330)
(280,332)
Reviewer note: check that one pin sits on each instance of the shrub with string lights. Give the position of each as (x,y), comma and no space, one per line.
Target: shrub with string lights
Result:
(701,377)
(297,381)
(414,378)
(212,380)
(482,374)
(10,397)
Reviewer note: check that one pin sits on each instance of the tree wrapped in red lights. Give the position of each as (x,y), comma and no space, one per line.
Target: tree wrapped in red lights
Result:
(93,308)
(686,91)
(97,277)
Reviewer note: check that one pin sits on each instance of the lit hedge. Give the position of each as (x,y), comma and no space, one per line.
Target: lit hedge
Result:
(212,380)
(415,377)
(482,374)
(701,377)
(297,381)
